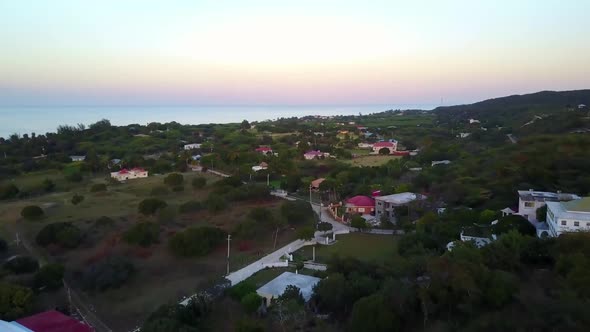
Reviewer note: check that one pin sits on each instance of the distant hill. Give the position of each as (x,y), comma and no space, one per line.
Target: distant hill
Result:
(520,111)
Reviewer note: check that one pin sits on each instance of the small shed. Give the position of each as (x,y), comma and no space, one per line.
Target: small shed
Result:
(275,288)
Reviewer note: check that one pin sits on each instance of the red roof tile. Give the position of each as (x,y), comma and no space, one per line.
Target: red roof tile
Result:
(53,321)
(361,201)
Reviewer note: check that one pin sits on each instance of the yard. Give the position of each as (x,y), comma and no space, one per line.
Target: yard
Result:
(370,160)
(160,277)
(365,247)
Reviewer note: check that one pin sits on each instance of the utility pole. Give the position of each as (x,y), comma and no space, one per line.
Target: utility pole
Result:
(17,240)
(228,241)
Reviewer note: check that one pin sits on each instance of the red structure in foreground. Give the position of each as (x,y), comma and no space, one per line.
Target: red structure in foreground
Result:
(53,321)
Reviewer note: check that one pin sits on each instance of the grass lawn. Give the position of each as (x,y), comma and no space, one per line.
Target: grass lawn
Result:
(373,160)
(365,247)
(360,152)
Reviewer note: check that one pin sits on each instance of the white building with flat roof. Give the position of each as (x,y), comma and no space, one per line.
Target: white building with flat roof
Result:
(568,217)
(192,146)
(385,205)
(276,287)
(530,200)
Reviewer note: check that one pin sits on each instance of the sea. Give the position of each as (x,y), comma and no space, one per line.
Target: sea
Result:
(40,120)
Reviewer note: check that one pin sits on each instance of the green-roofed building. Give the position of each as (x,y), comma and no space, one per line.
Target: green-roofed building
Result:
(567,217)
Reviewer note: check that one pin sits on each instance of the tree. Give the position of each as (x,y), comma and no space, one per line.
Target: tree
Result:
(22,264)
(487,216)
(305,233)
(373,314)
(516,222)
(32,212)
(111,272)
(542,213)
(143,234)
(251,302)
(64,234)
(384,151)
(49,276)
(292,293)
(77,199)
(48,185)
(199,182)
(358,222)
(197,241)
(150,206)
(215,203)
(15,301)
(245,125)
(174,179)
(190,206)
(8,191)
(324,226)
(98,187)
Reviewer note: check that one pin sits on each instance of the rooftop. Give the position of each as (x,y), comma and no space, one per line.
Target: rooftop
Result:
(361,200)
(400,199)
(543,196)
(277,286)
(580,205)
(53,321)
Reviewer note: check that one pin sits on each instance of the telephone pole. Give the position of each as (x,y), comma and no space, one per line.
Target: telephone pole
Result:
(228,241)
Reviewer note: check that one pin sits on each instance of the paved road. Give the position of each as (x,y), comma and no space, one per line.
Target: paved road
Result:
(326,217)
(512,138)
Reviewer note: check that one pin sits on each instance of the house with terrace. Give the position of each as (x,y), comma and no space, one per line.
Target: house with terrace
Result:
(391,146)
(129,174)
(385,206)
(567,217)
(529,201)
(360,205)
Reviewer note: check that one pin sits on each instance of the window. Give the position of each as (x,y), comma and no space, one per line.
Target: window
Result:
(588,224)
(361,209)
(576,223)
(529,204)
(563,223)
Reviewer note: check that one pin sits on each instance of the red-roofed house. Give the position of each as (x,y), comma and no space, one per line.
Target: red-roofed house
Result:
(392,146)
(264,150)
(309,155)
(48,321)
(125,174)
(360,204)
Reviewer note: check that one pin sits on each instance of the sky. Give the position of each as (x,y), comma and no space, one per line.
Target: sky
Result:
(283,52)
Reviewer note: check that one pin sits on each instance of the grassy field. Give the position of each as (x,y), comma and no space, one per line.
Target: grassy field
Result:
(373,160)
(365,247)
(160,277)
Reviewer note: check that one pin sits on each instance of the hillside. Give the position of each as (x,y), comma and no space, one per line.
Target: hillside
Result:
(520,111)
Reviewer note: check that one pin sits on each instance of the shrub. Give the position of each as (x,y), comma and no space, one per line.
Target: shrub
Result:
(324,227)
(195,241)
(31,212)
(8,191)
(50,276)
(150,206)
(177,189)
(251,302)
(190,206)
(64,234)
(305,233)
(358,222)
(22,264)
(48,185)
(242,289)
(98,187)
(16,301)
(199,182)
(3,245)
(160,191)
(143,234)
(104,222)
(109,273)
(507,223)
(298,212)
(215,203)
(249,192)
(174,179)
(74,176)
(77,199)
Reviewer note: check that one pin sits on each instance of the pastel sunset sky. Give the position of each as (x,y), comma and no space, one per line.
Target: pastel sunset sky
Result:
(283,52)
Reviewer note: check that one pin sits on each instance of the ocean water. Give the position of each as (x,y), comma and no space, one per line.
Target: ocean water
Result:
(40,120)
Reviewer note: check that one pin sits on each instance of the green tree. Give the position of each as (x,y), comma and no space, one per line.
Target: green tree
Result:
(77,199)
(358,222)
(15,301)
(324,227)
(49,276)
(542,213)
(215,203)
(305,233)
(197,241)
(174,179)
(373,314)
(487,216)
(48,185)
(32,212)
(143,234)
(8,191)
(251,302)
(22,264)
(150,206)
(292,293)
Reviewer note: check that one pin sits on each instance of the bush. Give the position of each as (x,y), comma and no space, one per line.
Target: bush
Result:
(358,222)
(77,199)
(16,301)
(104,222)
(174,179)
(22,264)
(242,289)
(74,176)
(47,185)
(31,212)
(150,206)
(215,203)
(251,302)
(64,234)
(199,182)
(305,233)
(507,223)
(177,189)
(249,192)
(143,234)
(98,187)
(298,213)
(49,276)
(109,273)
(190,206)
(160,191)
(8,191)
(195,241)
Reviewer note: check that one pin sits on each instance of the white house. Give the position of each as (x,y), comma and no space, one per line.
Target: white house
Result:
(192,146)
(390,145)
(265,150)
(568,217)
(260,167)
(464,135)
(125,174)
(385,205)
(529,201)
(365,146)
(472,121)
(317,154)
(277,286)
(78,158)
(581,106)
